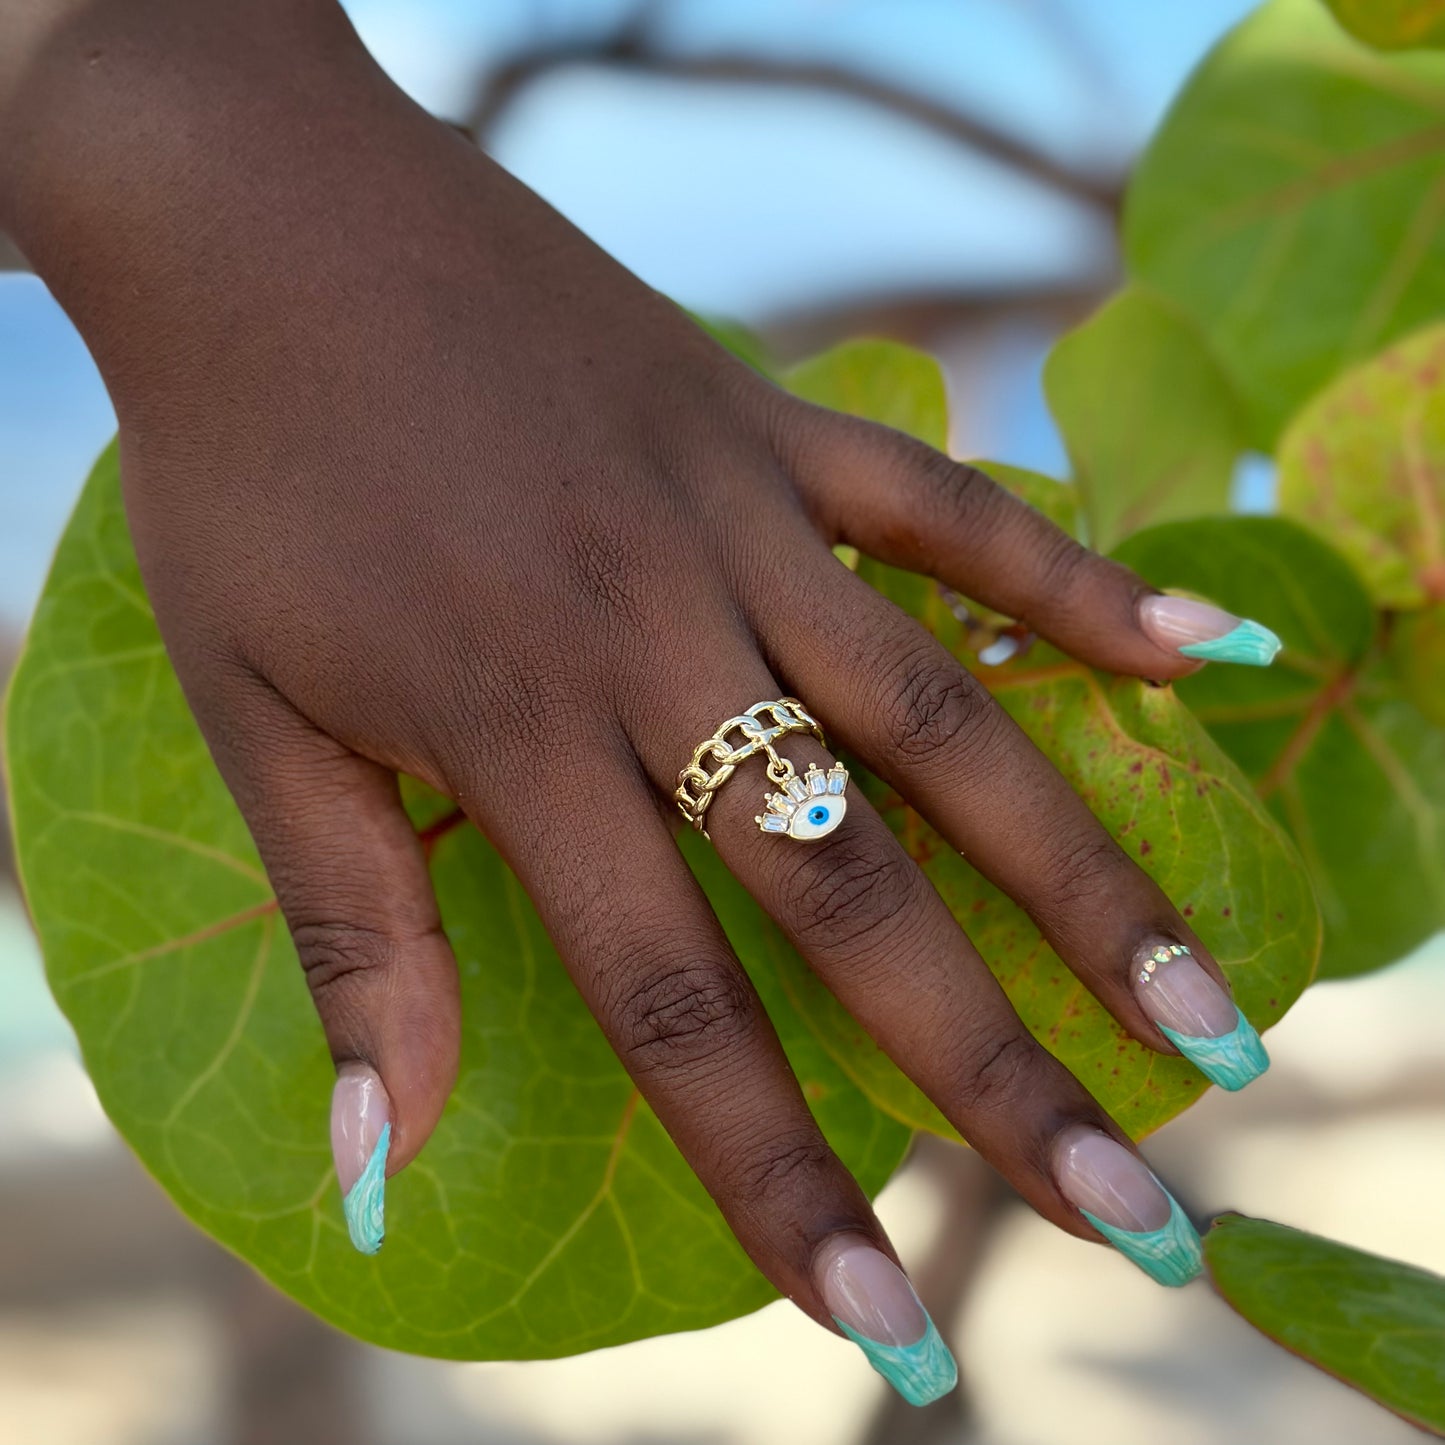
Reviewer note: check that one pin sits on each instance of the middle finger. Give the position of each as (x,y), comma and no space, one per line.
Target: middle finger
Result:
(884,942)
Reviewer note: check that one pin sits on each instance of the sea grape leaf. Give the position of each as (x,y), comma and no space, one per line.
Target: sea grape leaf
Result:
(881,381)
(1176,803)
(1374,1323)
(1393,24)
(1293,202)
(549,1214)
(1364,465)
(1150,422)
(1327,735)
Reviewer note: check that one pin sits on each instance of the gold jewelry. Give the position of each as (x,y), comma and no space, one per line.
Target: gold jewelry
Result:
(806,808)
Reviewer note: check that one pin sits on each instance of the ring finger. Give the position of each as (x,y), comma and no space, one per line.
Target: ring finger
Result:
(926,726)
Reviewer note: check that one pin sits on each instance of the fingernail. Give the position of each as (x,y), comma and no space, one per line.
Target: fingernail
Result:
(360,1138)
(1197,1016)
(1195,629)
(873,1303)
(1114,1190)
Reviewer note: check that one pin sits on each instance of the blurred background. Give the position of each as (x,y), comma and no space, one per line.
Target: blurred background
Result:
(947,172)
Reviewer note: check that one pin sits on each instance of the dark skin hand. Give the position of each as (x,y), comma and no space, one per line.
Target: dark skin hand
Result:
(422,481)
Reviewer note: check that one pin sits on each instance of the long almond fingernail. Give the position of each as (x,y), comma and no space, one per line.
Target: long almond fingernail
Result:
(873,1303)
(1209,634)
(1116,1192)
(1197,1016)
(360,1139)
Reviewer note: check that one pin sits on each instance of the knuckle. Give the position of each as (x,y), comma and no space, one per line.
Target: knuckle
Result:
(333,952)
(786,1168)
(1091,869)
(841,895)
(1000,1073)
(931,705)
(682,1015)
(956,487)
(1062,564)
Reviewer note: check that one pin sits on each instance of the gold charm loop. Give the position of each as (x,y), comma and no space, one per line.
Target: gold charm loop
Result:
(806,807)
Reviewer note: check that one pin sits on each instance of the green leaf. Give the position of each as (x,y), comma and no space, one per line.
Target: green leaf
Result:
(1327,734)
(1155,779)
(1374,1323)
(1151,425)
(1364,465)
(1293,202)
(881,381)
(549,1214)
(1393,24)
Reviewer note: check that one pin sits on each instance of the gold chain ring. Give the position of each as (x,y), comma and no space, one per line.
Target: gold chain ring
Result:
(805,808)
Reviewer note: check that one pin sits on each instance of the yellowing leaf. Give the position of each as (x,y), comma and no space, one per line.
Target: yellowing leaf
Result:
(1177,804)
(1364,466)
(1327,735)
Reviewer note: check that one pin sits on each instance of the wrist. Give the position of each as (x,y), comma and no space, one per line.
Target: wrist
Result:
(160,157)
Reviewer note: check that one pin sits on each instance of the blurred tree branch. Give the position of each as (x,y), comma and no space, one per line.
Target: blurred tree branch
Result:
(632,50)
(920,318)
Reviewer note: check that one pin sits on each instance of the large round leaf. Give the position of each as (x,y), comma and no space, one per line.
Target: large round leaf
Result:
(1374,1323)
(1151,425)
(1364,465)
(1328,734)
(549,1214)
(1294,203)
(1178,805)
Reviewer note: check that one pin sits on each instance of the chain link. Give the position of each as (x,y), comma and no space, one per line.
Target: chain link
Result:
(760,726)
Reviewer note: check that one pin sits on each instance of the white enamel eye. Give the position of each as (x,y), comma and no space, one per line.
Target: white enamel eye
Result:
(818,816)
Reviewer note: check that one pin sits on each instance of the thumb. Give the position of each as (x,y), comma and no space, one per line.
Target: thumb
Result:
(351,880)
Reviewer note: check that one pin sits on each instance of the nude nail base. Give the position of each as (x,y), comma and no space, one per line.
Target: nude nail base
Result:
(1232,1060)
(365,1202)
(921,1372)
(1171,1254)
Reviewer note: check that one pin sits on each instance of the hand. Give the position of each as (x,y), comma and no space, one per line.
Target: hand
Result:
(421,481)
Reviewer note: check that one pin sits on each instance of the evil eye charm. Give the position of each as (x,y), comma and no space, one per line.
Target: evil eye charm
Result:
(808,807)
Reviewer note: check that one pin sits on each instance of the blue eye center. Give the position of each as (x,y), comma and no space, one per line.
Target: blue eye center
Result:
(818,814)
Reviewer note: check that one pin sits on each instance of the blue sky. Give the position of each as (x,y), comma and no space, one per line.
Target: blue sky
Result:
(744,202)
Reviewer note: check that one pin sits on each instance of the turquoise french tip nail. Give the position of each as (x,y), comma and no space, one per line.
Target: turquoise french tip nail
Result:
(921,1372)
(365,1202)
(1171,1254)
(1231,1061)
(1250,643)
